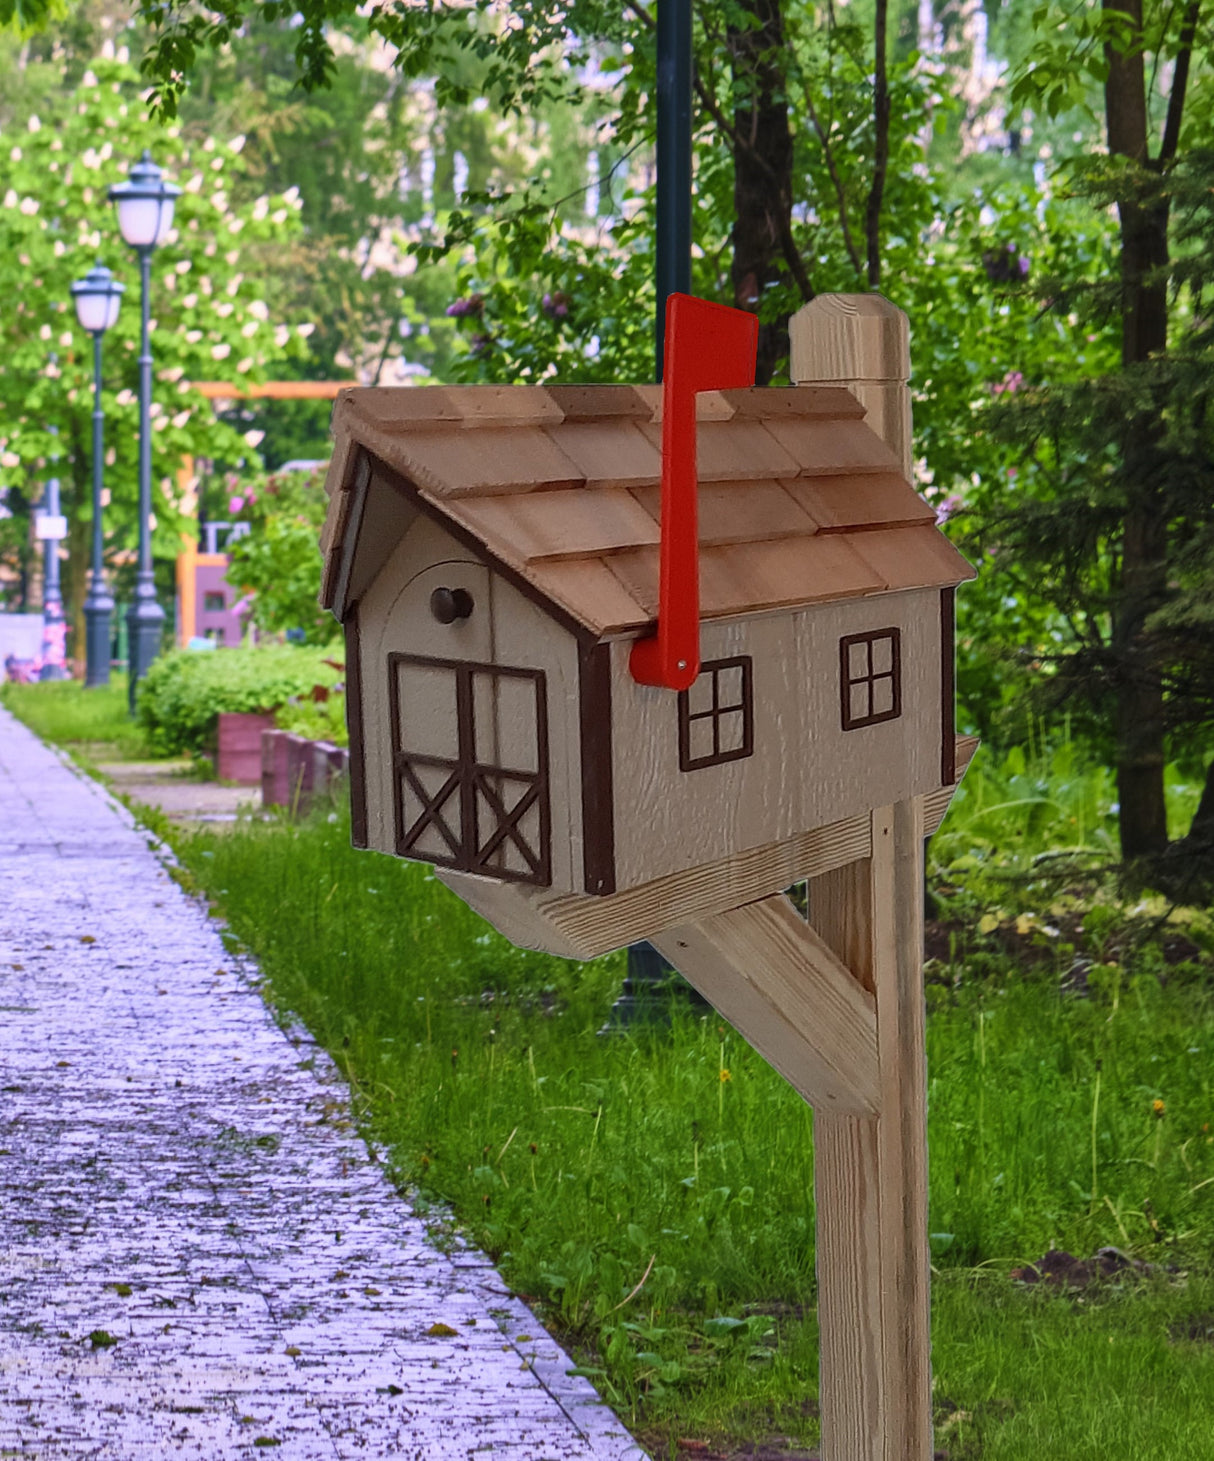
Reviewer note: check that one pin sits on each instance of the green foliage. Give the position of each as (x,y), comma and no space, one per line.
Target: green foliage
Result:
(278,563)
(95,724)
(1061,537)
(24,14)
(318,719)
(184,691)
(211,317)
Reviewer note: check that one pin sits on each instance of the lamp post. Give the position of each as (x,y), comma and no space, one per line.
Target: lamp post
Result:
(145,214)
(97,297)
(50,528)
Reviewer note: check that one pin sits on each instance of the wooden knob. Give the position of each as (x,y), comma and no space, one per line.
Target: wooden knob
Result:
(449,604)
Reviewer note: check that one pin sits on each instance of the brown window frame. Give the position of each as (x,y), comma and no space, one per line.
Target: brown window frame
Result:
(847,682)
(716,712)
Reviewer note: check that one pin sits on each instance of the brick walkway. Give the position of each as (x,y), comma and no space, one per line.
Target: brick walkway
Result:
(197,1256)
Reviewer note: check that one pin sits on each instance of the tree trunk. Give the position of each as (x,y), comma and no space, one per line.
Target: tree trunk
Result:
(762,159)
(881,116)
(1143,578)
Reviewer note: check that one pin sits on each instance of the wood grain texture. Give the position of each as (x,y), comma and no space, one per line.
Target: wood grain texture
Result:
(739,512)
(870,1173)
(582,927)
(504,629)
(839,337)
(769,974)
(861,341)
(565,523)
(936,803)
(806,771)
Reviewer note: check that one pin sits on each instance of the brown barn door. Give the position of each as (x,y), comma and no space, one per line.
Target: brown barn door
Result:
(470,756)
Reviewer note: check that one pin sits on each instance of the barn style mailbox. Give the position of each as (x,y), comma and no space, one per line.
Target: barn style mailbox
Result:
(626,662)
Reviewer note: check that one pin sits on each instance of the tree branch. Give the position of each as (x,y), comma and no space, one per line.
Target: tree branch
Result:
(1180,82)
(840,194)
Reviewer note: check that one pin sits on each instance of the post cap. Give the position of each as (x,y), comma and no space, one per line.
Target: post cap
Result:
(849,337)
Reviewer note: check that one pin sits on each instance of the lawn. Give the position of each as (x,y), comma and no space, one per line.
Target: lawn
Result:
(93,724)
(652,1192)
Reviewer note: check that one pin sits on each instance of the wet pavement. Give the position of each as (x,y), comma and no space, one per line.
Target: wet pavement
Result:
(198,1257)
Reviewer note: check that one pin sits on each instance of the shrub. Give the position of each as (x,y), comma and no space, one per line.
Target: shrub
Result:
(320,719)
(278,564)
(184,691)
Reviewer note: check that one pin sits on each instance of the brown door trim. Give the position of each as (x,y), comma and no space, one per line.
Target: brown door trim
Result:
(598,793)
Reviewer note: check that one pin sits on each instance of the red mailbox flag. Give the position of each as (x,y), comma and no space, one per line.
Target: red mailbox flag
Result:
(709,347)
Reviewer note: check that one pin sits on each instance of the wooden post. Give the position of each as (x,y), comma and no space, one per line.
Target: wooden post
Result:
(804,1000)
(870,1173)
(860,341)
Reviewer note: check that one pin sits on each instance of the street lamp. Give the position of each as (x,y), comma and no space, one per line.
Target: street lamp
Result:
(145,215)
(97,297)
(50,528)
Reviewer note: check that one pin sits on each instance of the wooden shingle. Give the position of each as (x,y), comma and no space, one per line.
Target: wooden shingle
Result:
(919,557)
(610,453)
(799,501)
(740,512)
(493,459)
(829,448)
(878,499)
(572,523)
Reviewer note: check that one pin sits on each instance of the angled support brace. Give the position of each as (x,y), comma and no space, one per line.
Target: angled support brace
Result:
(782,988)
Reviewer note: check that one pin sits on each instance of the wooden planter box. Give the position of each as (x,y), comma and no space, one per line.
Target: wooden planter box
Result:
(238,755)
(294,770)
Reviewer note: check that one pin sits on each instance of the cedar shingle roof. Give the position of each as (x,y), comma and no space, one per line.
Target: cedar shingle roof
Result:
(799,500)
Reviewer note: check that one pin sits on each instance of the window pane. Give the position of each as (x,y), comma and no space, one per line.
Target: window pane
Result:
(699,742)
(859,702)
(699,697)
(729,687)
(857,661)
(883,696)
(733,732)
(428,724)
(883,655)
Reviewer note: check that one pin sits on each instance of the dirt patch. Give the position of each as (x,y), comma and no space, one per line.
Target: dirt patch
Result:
(770,1448)
(945,941)
(1199,1329)
(1061,1270)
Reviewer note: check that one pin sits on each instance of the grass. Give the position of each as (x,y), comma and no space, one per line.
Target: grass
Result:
(586,1165)
(93,724)
(653,1193)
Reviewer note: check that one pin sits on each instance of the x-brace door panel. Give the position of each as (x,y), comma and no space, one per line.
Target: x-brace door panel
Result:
(470,755)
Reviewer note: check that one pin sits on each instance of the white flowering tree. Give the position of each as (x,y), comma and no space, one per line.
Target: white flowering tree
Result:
(213,311)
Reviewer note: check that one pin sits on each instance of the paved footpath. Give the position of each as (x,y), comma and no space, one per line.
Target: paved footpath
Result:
(197,1255)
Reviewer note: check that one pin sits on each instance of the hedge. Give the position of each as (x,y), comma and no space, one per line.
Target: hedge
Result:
(184,692)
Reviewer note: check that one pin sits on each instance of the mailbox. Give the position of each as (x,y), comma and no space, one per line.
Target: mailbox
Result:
(625,662)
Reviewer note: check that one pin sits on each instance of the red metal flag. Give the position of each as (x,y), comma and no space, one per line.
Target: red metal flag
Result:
(709,347)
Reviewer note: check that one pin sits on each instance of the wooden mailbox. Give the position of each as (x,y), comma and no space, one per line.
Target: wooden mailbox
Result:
(493,553)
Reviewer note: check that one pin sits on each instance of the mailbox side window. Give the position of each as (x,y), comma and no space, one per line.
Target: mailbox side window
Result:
(716,716)
(870,677)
